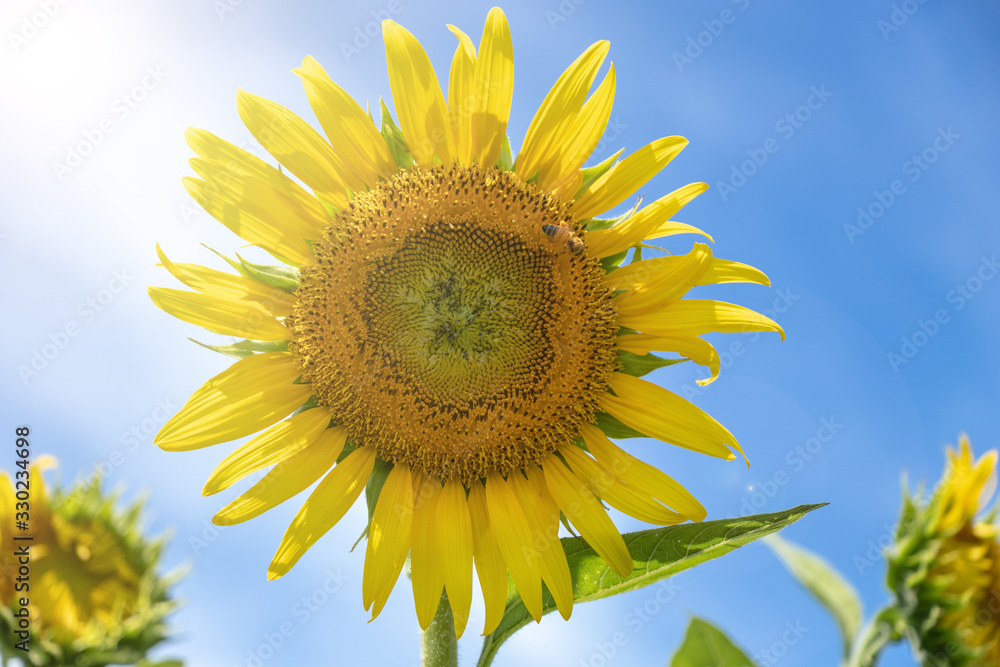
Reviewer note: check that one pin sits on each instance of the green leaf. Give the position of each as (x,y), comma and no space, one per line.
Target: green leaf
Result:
(826,584)
(657,554)
(245,348)
(707,646)
(639,365)
(394,139)
(614,429)
(506,159)
(591,174)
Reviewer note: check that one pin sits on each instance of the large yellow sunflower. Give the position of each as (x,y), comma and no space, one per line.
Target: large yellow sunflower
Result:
(450,323)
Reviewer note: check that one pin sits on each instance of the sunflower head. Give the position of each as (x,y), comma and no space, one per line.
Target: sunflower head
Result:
(452,327)
(94,596)
(945,565)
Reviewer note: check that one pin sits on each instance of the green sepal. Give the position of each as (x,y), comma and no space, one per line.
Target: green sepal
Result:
(246,348)
(638,365)
(285,278)
(394,139)
(614,428)
(506,159)
(372,491)
(331,210)
(704,644)
(310,403)
(591,174)
(657,554)
(612,262)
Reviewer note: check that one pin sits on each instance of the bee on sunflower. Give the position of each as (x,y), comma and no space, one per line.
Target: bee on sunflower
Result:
(450,326)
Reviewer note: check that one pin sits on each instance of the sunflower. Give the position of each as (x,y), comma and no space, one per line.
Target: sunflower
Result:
(449,327)
(945,567)
(90,587)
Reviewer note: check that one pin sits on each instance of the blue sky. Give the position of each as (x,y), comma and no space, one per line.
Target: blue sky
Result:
(851,149)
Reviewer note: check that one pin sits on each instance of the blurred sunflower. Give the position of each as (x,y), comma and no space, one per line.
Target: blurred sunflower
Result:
(945,567)
(450,327)
(94,595)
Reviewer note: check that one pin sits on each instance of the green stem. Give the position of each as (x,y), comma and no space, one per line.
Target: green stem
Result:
(438,645)
(881,631)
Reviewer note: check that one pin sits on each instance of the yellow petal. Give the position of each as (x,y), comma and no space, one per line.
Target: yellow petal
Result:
(235,161)
(662,414)
(423,114)
(581,141)
(388,538)
(461,94)
(558,111)
(294,474)
(276,444)
(327,504)
(494,89)
(250,395)
(425,567)
(542,512)
(697,350)
(490,567)
(638,227)
(228,286)
(297,147)
(254,218)
(623,179)
(350,130)
(719,271)
(693,317)
(244,319)
(583,509)
(611,489)
(454,531)
(668,285)
(510,527)
(641,475)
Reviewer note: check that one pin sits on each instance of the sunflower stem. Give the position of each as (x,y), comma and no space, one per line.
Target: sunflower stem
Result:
(438,645)
(881,631)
